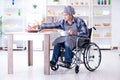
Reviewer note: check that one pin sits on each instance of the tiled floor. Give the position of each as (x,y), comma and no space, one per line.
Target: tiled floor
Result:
(108,70)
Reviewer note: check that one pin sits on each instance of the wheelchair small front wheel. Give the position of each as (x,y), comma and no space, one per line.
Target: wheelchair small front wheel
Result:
(77,69)
(92,57)
(54,68)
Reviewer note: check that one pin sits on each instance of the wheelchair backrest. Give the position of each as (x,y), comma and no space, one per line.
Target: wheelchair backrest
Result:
(90,32)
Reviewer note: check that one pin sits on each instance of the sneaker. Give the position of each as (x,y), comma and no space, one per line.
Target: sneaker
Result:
(52,63)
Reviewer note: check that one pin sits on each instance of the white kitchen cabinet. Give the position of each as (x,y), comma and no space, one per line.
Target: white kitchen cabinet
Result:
(102,20)
(13,20)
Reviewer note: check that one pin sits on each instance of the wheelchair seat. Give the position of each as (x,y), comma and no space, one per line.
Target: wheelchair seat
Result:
(85,52)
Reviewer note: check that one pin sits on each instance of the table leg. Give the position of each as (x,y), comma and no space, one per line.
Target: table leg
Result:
(10,53)
(47,54)
(30,52)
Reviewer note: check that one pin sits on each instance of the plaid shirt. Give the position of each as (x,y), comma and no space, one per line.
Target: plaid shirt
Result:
(82,29)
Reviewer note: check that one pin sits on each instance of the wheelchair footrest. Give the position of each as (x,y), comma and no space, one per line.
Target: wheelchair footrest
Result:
(63,65)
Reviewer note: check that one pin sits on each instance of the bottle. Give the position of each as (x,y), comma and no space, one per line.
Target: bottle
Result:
(12,2)
(102,2)
(98,2)
(19,13)
(109,2)
(105,2)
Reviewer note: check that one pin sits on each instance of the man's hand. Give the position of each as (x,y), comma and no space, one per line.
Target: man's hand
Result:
(72,32)
(30,28)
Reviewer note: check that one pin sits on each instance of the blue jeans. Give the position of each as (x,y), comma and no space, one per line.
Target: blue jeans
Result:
(56,52)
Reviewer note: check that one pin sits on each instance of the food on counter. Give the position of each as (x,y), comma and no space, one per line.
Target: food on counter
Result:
(106,24)
(108,34)
(97,24)
(96,35)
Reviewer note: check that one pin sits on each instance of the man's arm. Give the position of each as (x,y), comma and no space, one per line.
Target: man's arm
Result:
(55,25)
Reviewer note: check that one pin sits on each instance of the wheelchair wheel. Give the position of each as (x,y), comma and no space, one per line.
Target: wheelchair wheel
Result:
(77,69)
(54,68)
(92,57)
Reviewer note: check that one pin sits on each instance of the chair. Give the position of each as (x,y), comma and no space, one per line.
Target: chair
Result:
(88,54)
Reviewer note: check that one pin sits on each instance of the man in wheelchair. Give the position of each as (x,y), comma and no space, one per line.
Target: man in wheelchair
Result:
(72,27)
(75,32)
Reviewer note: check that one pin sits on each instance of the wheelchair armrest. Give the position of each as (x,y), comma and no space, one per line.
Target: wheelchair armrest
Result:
(83,37)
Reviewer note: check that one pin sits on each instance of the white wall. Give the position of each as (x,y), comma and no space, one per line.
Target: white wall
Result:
(115,22)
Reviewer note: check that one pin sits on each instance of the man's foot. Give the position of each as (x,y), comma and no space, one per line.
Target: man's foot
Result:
(52,63)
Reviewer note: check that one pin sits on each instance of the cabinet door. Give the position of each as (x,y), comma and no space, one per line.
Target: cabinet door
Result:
(0,31)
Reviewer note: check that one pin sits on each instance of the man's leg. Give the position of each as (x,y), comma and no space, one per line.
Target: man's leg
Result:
(55,55)
(68,55)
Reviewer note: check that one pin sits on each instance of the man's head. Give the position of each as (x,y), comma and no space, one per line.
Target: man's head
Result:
(68,12)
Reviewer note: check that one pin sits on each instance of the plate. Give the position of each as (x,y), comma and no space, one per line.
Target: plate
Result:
(33,31)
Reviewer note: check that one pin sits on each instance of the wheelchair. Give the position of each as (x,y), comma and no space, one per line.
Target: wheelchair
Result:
(88,54)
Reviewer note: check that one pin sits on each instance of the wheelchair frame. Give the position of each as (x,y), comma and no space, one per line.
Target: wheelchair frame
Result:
(90,52)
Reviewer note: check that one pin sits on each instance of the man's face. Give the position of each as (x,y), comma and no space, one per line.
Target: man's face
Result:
(66,16)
